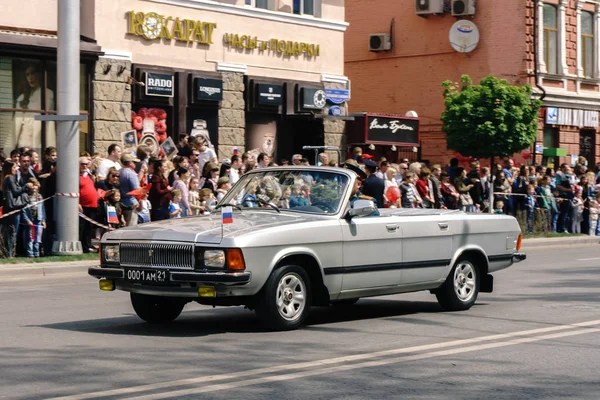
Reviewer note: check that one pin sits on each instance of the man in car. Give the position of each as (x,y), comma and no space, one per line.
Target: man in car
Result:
(373,186)
(355,193)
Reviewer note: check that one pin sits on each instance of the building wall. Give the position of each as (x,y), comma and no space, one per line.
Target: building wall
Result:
(30,14)
(409,77)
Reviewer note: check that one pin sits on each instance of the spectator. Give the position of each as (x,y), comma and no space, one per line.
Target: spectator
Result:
(128,181)
(144,209)
(14,199)
(451,170)
(474,178)
(205,153)
(182,185)
(263,160)
(323,159)
(296,159)
(465,200)
(407,194)
(50,153)
(111,182)
(223,186)
(160,193)
(449,193)
(577,212)
(48,189)
(194,197)
(502,190)
(530,207)
(436,189)
(234,172)
(112,161)
(174,205)
(25,171)
(15,156)
(88,205)
(211,175)
(178,162)
(547,203)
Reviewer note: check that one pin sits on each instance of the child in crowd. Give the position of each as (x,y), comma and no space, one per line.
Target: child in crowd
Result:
(113,198)
(144,208)
(408,196)
(175,206)
(194,197)
(499,207)
(297,198)
(530,206)
(285,198)
(577,212)
(223,186)
(206,197)
(594,211)
(34,217)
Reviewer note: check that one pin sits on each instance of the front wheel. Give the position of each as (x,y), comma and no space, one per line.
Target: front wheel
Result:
(284,301)
(155,309)
(461,288)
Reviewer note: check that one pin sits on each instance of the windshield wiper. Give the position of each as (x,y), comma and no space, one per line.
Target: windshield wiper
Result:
(268,203)
(228,205)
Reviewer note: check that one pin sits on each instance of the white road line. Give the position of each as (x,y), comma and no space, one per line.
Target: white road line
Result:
(588,259)
(325,362)
(367,364)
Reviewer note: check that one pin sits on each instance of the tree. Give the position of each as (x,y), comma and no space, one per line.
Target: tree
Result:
(492,119)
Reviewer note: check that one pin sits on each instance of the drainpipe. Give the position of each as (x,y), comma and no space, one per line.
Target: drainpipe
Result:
(535,49)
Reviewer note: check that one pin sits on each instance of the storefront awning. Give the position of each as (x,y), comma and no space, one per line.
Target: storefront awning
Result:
(18,40)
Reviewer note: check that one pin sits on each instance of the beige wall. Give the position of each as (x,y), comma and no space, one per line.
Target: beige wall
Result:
(112,28)
(30,14)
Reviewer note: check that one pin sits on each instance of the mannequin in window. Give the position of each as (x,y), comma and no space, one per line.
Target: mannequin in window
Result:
(28,131)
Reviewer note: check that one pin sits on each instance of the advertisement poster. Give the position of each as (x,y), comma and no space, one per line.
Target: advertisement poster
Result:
(260,138)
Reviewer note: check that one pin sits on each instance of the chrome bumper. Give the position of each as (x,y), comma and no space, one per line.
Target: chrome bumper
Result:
(518,257)
(233,278)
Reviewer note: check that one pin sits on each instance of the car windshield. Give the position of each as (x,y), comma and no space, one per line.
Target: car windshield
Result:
(299,190)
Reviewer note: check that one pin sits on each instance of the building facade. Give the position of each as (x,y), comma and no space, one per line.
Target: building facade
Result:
(550,45)
(249,75)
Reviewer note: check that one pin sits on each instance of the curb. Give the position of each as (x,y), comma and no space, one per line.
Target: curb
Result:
(560,242)
(27,270)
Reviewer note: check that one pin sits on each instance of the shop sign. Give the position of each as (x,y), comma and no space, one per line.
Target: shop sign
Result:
(272,46)
(152,26)
(209,89)
(337,96)
(312,98)
(159,84)
(269,95)
(392,130)
(336,111)
(571,117)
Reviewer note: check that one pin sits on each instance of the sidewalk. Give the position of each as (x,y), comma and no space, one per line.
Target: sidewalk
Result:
(27,270)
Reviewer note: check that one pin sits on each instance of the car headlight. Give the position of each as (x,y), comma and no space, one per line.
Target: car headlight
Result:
(214,258)
(111,253)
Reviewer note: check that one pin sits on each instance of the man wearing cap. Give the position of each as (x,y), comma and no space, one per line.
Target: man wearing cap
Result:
(355,194)
(373,185)
(128,181)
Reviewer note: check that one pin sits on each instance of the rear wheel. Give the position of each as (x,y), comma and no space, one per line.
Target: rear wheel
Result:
(461,288)
(155,309)
(284,301)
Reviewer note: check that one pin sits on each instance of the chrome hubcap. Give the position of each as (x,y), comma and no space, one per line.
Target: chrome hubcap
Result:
(464,281)
(291,296)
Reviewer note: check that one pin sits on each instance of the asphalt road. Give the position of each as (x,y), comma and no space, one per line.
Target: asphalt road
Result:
(536,337)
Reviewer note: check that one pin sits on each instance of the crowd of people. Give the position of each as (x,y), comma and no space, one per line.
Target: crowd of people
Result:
(117,190)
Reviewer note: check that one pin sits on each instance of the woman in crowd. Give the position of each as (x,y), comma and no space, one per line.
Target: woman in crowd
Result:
(111,182)
(465,199)
(182,184)
(14,199)
(449,192)
(211,175)
(160,192)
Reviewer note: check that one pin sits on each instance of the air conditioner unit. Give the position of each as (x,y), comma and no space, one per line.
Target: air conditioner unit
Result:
(428,7)
(461,8)
(379,42)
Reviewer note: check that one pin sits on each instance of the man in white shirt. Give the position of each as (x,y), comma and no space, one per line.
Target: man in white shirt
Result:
(263,160)
(114,155)
(206,154)
(234,172)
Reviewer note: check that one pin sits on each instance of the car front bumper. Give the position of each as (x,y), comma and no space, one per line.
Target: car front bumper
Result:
(223,278)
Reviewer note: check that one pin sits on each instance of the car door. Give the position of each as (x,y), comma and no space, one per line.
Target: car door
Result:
(426,247)
(372,252)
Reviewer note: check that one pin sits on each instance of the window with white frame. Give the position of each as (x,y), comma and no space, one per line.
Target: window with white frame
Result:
(306,7)
(258,3)
(587,44)
(551,38)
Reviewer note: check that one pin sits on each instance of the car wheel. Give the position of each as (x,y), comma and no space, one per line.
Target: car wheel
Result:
(461,288)
(344,303)
(284,301)
(155,309)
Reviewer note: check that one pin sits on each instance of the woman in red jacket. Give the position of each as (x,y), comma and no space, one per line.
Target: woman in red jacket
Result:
(160,193)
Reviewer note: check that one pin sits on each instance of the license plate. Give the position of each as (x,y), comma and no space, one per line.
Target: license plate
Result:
(147,276)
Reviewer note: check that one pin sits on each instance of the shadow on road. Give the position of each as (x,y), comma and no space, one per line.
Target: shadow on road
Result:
(239,320)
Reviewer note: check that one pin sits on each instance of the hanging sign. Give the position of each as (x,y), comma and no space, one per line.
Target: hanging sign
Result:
(209,89)
(159,84)
(337,96)
(269,95)
(312,98)
(392,130)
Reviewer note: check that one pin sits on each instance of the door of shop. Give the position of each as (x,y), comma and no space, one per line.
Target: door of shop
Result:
(293,133)
(587,145)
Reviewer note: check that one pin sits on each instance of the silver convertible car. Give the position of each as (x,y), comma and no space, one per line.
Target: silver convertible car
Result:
(297,237)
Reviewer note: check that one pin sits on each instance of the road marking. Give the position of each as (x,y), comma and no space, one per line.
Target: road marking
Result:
(588,259)
(345,359)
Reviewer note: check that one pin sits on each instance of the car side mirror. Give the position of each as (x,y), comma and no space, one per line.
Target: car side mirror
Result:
(362,208)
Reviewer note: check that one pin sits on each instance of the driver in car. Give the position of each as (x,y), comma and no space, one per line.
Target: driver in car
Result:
(355,193)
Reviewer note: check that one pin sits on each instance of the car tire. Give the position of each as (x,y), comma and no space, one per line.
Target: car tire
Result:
(155,309)
(284,302)
(461,288)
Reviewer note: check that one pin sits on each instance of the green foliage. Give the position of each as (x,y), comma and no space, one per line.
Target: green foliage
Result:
(492,119)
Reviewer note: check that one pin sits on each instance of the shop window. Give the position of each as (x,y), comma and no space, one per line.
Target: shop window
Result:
(551,38)
(550,137)
(27,89)
(151,126)
(587,43)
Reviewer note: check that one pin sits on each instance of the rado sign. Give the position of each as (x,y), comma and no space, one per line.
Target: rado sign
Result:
(385,129)
(159,84)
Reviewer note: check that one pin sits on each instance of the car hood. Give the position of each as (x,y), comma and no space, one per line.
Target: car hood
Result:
(208,228)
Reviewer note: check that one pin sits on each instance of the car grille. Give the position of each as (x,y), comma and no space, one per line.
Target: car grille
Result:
(157,255)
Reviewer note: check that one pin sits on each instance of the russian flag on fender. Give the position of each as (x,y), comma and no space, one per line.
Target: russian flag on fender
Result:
(227,215)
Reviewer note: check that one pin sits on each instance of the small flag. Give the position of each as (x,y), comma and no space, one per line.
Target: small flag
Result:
(227,215)
(36,233)
(111,215)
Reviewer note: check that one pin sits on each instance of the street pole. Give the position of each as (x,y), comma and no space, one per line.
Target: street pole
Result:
(67,208)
